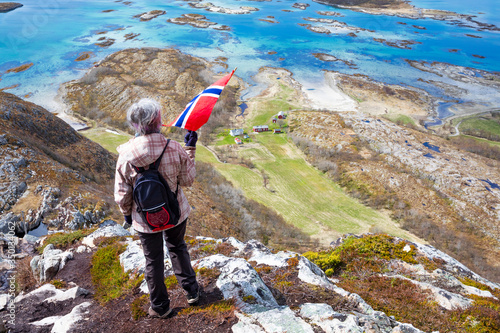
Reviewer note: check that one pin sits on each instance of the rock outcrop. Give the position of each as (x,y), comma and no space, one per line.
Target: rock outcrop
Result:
(148,16)
(69,306)
(8,6)
(404,9)
(46,266)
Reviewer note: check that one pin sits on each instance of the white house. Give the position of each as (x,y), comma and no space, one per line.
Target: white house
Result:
(235,132)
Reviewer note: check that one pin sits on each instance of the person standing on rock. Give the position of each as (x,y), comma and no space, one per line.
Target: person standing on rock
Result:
(177,167)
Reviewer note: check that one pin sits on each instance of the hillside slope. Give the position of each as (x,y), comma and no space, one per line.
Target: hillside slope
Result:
(44,162)
(443,194)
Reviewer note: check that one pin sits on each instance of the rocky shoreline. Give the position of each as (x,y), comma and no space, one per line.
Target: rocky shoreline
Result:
(218,9)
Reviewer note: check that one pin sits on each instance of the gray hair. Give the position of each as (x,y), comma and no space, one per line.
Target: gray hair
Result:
(145,116)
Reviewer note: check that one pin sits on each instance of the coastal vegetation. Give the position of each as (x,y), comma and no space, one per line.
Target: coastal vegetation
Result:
(325,176)
(299,179)
(482,127)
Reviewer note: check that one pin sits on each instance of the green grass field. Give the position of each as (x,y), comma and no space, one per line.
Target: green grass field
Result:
(488,125)
(226,140)
(106,138)
(296,190)
(299,192)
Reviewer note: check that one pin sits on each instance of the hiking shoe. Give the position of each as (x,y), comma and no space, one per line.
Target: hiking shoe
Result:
(194,297)
(155,314)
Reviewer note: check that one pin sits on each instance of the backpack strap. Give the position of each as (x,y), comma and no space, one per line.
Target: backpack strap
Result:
(156,164)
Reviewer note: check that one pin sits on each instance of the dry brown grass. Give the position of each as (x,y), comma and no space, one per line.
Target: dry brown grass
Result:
(25,280)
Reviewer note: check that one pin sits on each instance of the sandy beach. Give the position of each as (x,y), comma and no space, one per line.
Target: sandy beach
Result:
(327,95)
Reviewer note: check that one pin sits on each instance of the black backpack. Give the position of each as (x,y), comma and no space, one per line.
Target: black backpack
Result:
(155,201)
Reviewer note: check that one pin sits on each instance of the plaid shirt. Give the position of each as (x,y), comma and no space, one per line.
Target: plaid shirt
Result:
(176,167)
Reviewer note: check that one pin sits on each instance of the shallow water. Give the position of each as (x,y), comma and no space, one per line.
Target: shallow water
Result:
(51,34)
(39,231)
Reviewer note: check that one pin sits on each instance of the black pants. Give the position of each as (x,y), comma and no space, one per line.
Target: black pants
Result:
(152,245)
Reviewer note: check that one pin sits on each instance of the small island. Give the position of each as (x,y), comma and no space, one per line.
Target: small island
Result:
(404,9)
(8,6)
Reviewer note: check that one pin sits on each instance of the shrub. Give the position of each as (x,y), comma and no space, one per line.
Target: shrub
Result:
(396,297)
(326,260)
(369,253)
(382,246)
(293,262)
(63,240)
(477,147)
(137,307)
(263,269)
(59,284)
(360,262)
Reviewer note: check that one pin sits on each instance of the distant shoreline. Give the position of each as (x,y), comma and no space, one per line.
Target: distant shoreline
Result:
(403,9)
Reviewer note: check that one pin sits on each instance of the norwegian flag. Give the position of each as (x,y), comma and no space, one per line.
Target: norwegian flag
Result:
(200,108)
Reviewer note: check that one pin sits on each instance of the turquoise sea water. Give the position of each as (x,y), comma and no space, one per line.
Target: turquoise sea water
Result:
(51,34)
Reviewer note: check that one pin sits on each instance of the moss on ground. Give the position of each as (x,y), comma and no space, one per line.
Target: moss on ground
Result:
(170,281)
(217,309)
(108,277)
